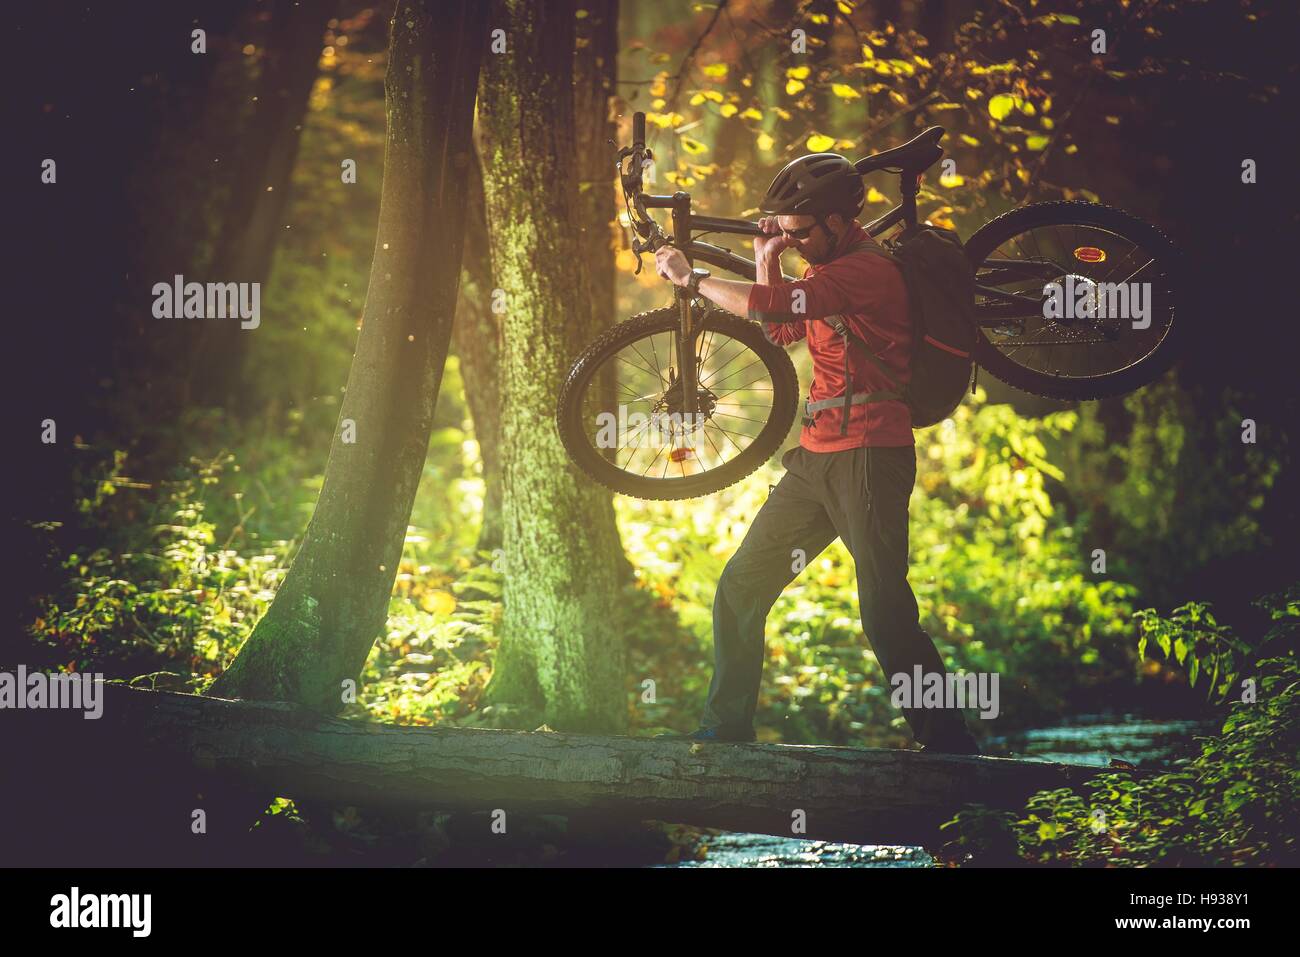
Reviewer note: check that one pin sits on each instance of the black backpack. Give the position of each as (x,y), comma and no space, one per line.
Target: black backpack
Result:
(941,299)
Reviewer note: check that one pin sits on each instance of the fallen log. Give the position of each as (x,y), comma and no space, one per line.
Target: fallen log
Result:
(170,746)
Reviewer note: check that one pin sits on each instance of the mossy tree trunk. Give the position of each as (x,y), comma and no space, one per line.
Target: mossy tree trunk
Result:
(477,343)
(561,654)
(333,602)
(595,73)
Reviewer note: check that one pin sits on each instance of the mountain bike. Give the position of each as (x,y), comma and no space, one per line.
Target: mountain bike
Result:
(688,399)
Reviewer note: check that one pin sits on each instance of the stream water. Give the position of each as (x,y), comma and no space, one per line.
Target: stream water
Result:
(1085,739)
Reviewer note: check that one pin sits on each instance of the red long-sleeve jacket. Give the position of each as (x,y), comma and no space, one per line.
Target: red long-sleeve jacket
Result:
(868,291)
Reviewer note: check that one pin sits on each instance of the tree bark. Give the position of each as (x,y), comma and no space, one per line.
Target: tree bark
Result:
(594,77)
(189,744)
(333,602)
(477,342)
(560,658)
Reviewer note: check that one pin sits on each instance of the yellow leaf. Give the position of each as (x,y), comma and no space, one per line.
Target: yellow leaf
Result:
(751,114)
(713,95)
(697,99)
(718,70)
(1002,105)
(969,140)
(765,142)
(798,72)
(868,53)
(845,8)
(664,120)
(694,147)
(820,143)
(875,196)
(940,218)
(792,87)
(845,92)
(438,602)
(729,109)
(1072,148)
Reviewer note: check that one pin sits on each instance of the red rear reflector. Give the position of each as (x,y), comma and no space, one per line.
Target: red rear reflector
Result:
(1090,254)
(679,455)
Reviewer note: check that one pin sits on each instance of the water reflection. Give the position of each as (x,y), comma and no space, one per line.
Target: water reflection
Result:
(1087,739)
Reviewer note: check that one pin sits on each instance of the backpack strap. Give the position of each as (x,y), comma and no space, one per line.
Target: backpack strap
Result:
(841,327)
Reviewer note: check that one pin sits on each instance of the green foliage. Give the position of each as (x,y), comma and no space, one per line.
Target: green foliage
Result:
(1172,490)
(1202,645)
(173,599)
(1233,804)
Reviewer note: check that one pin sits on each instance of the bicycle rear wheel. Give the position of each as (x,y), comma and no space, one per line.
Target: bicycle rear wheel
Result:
(1088,252)
(639,441)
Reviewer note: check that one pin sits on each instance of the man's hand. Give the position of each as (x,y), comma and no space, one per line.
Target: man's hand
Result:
(672,265)
(769,246)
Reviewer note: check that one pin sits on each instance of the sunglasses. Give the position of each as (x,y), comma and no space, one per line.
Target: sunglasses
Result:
(799,233)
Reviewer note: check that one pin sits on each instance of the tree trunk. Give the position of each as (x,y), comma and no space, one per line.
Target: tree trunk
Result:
(561,655)
(317,633)
(260,189)
(594,77)
(177,746)
(477,342)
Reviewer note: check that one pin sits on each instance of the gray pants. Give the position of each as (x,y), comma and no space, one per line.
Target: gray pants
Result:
(861,496)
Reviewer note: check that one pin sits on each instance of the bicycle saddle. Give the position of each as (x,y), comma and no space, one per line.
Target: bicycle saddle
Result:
(919,153)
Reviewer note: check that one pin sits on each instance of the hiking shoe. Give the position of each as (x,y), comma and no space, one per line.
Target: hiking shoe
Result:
(706,734)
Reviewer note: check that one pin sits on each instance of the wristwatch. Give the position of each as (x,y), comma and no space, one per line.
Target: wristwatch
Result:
(697,276)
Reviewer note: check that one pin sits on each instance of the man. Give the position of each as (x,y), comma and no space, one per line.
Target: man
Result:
(850,479)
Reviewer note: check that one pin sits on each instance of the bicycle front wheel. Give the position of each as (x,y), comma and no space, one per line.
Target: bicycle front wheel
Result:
(639,439)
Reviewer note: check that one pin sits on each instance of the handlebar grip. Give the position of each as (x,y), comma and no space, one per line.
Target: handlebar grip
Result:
(638,130)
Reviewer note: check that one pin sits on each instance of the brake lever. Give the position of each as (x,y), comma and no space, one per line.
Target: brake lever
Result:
(652,242)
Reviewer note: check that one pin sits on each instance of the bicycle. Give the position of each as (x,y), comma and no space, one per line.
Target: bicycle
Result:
(697,421)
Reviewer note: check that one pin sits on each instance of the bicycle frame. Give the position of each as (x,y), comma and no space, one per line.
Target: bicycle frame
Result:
(685,224)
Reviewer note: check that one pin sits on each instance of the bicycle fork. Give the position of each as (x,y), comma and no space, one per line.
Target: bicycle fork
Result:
(684,347)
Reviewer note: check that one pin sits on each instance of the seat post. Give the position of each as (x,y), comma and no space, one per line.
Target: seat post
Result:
(910,184)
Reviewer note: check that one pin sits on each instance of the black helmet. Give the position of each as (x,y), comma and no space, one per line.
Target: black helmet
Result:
(815,185)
